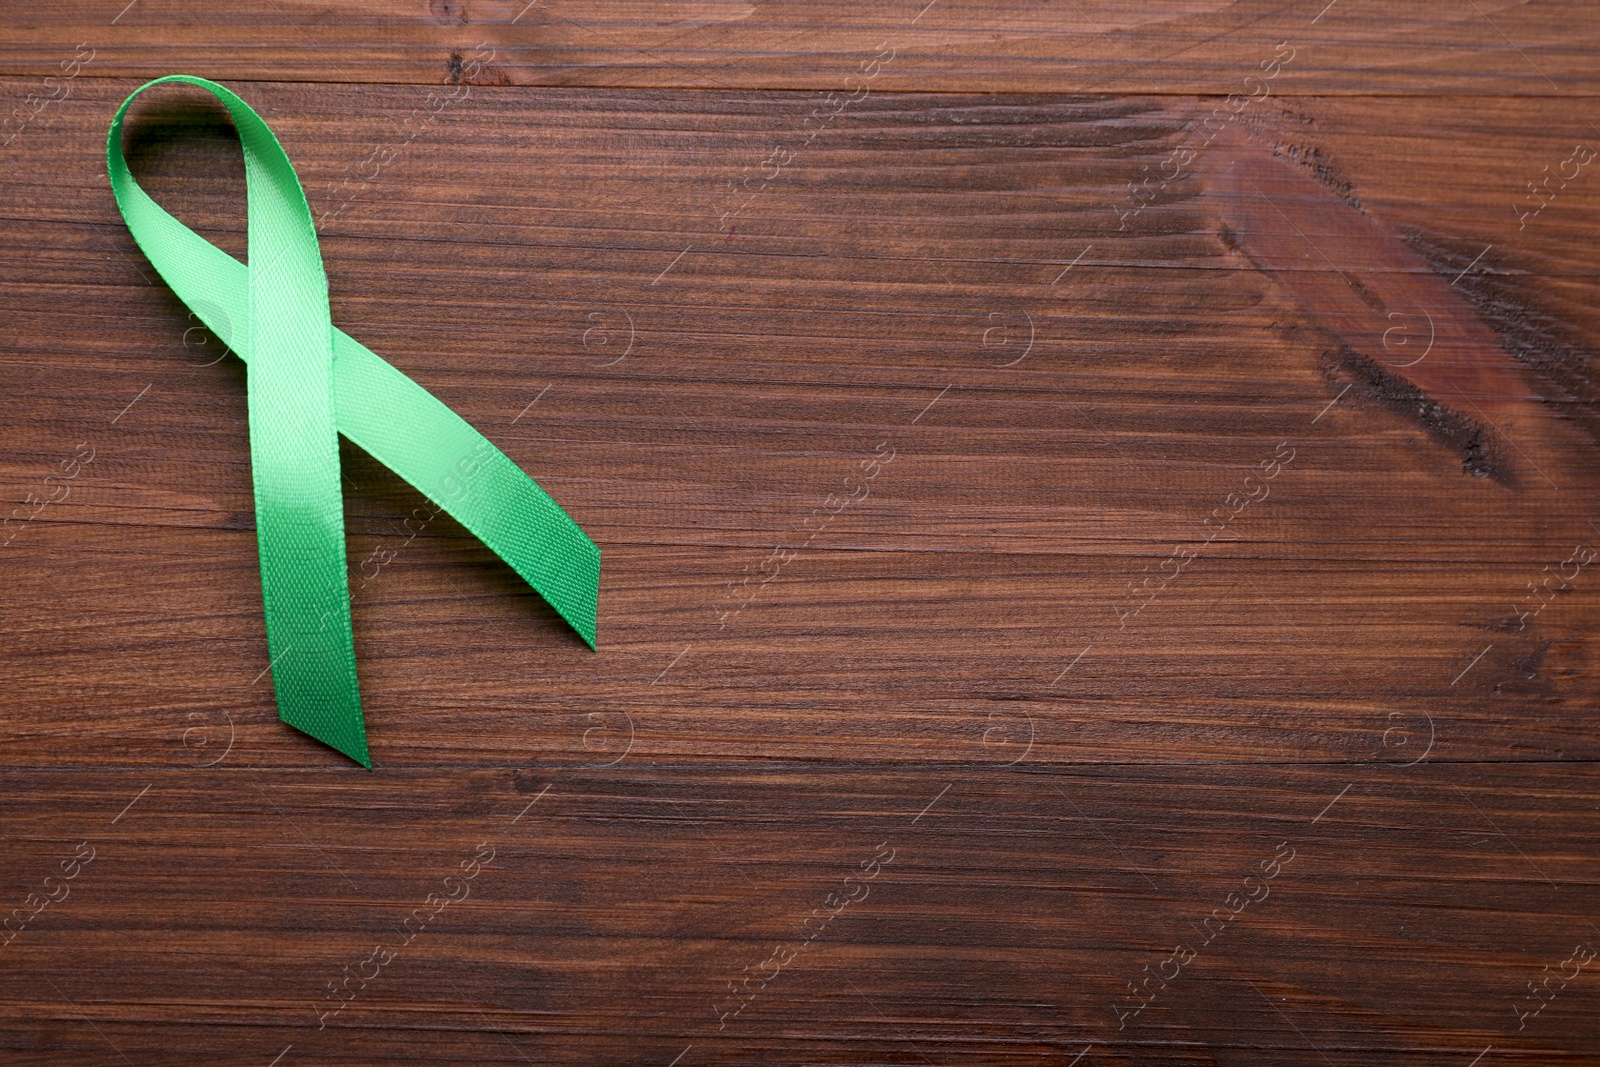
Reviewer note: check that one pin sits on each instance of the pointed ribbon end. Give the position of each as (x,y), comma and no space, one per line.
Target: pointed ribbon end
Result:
(348,737)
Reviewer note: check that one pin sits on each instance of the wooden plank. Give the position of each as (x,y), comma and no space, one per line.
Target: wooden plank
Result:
(1493,47)
(998,915)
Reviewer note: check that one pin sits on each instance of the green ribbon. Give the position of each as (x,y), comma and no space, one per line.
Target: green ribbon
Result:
(309,381)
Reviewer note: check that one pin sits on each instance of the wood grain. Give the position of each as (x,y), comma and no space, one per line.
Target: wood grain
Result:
(1006,925)
(1500,47)
(1183,557)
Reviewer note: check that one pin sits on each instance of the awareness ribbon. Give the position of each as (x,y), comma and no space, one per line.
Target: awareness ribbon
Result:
(309,381)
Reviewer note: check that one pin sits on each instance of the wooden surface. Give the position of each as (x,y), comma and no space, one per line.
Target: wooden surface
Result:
(1042,507)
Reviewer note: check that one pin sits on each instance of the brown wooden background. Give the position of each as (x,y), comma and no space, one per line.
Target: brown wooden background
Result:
(621,252)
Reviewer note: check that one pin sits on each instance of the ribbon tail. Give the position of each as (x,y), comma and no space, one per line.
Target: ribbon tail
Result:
(414,434)
(294,452)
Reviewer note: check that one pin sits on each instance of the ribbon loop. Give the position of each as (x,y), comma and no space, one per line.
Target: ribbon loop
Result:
(309,381)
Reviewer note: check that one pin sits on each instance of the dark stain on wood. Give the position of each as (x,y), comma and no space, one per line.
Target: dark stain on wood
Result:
(1419,349)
